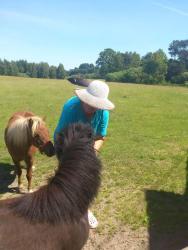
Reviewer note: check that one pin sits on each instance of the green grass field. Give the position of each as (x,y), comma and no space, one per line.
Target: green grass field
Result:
(146,147)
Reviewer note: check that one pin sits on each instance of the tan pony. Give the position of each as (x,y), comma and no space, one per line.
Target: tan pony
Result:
(24,134)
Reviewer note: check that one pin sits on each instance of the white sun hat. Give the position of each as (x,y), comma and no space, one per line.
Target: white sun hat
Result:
(96,95)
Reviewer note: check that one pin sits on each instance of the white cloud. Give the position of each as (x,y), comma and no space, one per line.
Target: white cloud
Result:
(172,9)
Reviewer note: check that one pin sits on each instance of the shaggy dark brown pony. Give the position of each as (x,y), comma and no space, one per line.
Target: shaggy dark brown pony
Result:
(24,134)
(55,216)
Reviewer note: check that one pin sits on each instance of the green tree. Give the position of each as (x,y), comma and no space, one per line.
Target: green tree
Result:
(2,67)
(34,72)
(60,72)
(13,69)
(155,66)
(52,72)
(43,70)
(74,71)
(131,59)
(133,75)
(175,68)
(7,68)
(115,76)
(86,68)
(178,49)
(22,66)
(29,69)
(109,61)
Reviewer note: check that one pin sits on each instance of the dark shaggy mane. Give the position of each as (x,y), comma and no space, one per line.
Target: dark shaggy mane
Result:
(68,194)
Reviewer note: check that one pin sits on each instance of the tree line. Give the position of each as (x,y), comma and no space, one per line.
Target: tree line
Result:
(154,67)
(35,70)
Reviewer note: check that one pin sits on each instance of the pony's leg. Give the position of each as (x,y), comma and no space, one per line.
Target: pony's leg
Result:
(29,163)
(19,173)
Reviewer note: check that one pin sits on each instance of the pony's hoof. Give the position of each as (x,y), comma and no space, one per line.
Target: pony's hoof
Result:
(30,191)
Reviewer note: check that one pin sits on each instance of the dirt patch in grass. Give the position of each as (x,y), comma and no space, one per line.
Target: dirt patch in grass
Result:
(141,239)
(125,239)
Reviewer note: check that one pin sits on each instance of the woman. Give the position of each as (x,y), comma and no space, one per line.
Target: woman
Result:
(90,105)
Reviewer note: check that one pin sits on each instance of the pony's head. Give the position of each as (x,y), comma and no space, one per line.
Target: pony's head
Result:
(40,136)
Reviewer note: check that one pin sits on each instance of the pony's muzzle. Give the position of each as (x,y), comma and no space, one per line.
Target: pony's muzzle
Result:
(48,149)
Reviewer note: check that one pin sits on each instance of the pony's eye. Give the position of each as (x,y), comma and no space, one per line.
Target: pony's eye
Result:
(38,139)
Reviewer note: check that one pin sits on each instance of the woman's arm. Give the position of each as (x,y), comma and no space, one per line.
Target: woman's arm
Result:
(98,143)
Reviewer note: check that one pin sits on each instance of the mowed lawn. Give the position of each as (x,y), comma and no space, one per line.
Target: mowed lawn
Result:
(146,148)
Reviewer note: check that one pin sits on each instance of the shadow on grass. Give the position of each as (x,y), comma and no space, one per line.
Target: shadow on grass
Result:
(168,219)
(7,177)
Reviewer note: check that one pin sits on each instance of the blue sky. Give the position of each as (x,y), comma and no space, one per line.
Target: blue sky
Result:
(74,32)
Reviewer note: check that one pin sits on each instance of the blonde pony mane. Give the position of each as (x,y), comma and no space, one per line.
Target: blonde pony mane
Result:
(17,132)
(37,121)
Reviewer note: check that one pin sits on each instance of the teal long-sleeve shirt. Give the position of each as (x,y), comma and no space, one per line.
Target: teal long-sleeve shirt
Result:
(73,112)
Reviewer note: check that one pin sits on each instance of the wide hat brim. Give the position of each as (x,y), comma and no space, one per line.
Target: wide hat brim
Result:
(96,102)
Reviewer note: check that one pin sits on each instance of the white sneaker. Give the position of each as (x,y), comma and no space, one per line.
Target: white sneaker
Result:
(93,223)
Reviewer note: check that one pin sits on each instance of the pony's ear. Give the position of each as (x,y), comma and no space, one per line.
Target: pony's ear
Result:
(30,123)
